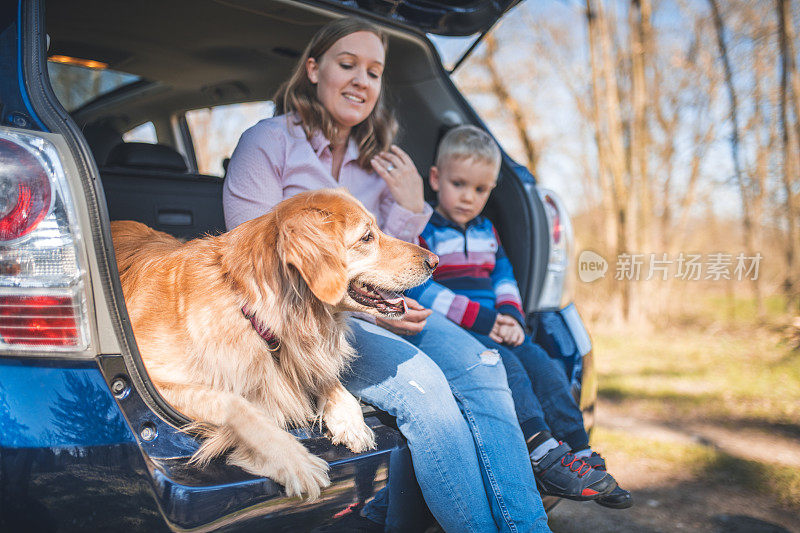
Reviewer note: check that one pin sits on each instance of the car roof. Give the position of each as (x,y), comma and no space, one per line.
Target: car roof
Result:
(200,53)
(454,18)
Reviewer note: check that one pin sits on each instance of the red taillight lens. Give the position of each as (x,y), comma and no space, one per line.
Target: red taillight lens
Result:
(25,194)
(556,219)
(38,320)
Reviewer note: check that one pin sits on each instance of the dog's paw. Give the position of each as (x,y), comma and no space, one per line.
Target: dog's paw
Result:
(356,435)
(345,422)
(305,474)
(299,471)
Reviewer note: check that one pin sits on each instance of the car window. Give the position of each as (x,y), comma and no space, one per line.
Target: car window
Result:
(144,133)
(76,85)
(216,130)
(452,49)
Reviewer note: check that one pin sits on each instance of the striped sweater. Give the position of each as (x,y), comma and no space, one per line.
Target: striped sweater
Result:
(474,281)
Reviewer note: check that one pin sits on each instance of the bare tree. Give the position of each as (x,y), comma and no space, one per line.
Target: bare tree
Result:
(655,105)
(614,161)
(641,47)
(790,169)
(739,174)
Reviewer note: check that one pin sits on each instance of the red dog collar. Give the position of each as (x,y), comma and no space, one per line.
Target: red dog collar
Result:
(273,342)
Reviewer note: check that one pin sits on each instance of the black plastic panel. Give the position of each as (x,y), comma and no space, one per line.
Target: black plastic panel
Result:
(186,206)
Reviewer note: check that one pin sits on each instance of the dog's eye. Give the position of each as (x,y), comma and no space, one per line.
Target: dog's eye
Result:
(367,237)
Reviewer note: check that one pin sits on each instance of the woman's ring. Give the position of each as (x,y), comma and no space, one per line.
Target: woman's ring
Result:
(390,167)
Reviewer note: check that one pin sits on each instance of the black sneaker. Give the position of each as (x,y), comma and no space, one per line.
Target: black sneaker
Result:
(560,473)
(619,497)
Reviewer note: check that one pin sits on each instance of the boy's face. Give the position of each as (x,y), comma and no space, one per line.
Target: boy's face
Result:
(464,186)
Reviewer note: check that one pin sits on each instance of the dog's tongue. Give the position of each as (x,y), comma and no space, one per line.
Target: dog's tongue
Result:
(393,298)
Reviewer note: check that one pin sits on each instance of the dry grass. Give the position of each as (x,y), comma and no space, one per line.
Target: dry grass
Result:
(704,371)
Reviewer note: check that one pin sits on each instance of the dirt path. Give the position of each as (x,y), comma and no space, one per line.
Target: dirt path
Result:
(744,443)
(669,500)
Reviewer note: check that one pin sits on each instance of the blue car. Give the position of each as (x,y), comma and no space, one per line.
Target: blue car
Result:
(105,113)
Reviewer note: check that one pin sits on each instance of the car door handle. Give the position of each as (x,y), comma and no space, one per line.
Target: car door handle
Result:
(174,217)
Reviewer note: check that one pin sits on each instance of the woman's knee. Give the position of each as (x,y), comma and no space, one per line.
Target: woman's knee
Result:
(420,382)
(388,365)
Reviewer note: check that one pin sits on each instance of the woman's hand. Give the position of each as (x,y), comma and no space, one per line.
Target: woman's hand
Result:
(398,171)
(412,323)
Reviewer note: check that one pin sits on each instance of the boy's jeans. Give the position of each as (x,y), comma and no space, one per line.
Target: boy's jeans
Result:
(452,403)
(541,391)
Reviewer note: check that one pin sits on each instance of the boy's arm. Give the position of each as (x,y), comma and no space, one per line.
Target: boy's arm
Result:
(506,290)
(466,313)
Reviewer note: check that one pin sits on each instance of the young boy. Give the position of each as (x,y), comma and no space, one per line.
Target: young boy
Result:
(474,286)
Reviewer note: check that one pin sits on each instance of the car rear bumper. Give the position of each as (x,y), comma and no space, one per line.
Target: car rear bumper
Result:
(70,459)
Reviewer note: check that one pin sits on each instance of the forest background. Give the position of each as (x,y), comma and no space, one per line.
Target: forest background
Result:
(671,129)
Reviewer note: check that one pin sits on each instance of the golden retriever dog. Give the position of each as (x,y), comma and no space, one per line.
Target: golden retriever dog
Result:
(197,307)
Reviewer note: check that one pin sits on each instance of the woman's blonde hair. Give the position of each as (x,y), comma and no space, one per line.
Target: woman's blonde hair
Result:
(299,95)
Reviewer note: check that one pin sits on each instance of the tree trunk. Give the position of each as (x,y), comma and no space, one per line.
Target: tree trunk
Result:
(741,179)
(609,199)
(639,16)
(610,140)
(764,134)
(789,173)
(618,162)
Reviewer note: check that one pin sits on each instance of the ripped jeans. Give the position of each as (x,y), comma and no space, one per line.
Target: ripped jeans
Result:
(453,405)
(541,392)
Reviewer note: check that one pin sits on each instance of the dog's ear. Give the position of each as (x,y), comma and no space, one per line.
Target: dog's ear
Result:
(312,241)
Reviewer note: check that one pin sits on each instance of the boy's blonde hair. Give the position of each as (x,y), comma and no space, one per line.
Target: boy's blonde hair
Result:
(464,142)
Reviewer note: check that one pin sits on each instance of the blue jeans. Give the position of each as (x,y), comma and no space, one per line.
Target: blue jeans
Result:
(541,392)
(452,403)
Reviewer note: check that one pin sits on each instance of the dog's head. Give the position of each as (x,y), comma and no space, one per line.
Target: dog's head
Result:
(335,245)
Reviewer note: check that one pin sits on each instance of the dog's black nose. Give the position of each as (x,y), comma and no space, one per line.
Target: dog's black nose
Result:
(432,261)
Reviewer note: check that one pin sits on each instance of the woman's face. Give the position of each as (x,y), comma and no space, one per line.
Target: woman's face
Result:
(348,77)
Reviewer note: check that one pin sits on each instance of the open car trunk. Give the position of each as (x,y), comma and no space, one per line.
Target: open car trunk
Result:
(186,55)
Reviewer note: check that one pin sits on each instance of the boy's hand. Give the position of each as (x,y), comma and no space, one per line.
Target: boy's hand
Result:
(508,330)
(412,322)
(495,333)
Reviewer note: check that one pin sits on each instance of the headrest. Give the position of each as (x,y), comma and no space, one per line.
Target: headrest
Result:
(101,138)
(146,155)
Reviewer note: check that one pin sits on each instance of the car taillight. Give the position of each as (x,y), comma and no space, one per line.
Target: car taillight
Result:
(555,290)
(25,194)
(38,320)
(554,217)
(43,301)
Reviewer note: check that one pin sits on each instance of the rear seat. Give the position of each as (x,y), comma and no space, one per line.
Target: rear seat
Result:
(150,183)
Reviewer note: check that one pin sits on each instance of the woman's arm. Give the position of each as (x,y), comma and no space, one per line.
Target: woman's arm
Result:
(402,209)
(253,182)
(399,222)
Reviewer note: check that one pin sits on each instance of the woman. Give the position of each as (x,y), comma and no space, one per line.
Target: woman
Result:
(448,393)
